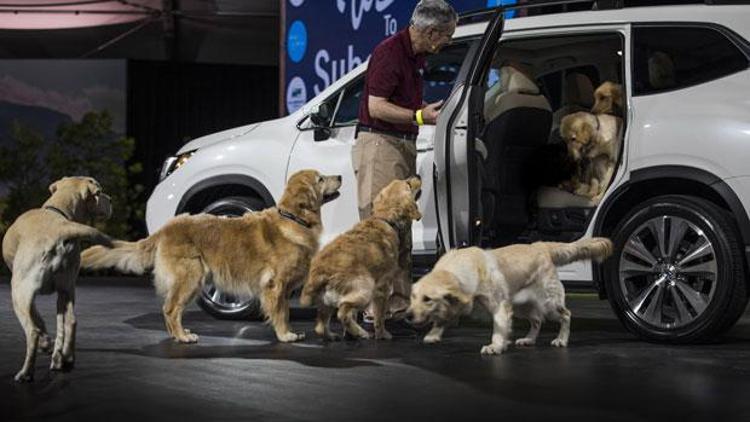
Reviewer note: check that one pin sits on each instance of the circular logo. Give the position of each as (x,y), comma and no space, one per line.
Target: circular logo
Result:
(296,94)
(296,3)
(296,43)
(510,13)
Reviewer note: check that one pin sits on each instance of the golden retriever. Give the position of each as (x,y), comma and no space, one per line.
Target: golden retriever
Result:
(517,279)
(608,99)
(266,254)
(593,143)
(359,266)
(42,249)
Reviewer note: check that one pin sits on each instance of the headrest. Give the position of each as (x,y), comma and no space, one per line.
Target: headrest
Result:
(579,90)
(517,82)
(661,71)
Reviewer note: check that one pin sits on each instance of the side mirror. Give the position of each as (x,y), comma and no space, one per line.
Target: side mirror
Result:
(321,134)
(320,115)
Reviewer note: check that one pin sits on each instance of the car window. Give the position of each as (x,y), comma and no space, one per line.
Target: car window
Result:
(348,109)
(442,69)
(667,58)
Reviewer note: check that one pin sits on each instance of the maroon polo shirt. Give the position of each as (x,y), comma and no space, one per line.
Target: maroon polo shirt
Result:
(395,73)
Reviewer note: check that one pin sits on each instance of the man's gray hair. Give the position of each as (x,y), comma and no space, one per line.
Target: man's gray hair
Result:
(433,14)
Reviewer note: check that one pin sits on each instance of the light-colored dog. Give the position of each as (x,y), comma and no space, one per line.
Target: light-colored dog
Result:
(42,249)
(593,143)
(358,267)
(608,99)
(265,254)
(518,280)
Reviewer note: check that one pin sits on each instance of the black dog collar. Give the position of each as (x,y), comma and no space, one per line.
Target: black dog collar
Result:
(391,223)
(290,216)
(57,211)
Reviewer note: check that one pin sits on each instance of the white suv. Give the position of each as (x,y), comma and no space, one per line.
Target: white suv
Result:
(676,208)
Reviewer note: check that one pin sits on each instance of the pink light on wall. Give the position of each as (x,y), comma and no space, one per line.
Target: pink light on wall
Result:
(62,14)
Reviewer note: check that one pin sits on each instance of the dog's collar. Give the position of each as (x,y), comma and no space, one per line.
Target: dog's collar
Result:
(390,223)
(57,211)
(296,219)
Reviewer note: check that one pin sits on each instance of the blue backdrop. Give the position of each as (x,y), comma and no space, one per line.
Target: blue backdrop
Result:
(325,39)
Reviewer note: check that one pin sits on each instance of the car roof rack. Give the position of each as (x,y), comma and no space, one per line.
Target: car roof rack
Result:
(481,15)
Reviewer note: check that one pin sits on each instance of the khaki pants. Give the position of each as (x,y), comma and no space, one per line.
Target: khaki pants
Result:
(379,159)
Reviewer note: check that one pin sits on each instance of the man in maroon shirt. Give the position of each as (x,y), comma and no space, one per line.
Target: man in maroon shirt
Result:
(390,113)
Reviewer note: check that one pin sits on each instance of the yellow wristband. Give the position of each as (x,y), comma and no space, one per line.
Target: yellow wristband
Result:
(420,120)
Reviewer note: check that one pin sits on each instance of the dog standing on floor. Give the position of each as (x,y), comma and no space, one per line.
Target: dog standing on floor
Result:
(42,250)
(263,254)
(516,280)
(359,266)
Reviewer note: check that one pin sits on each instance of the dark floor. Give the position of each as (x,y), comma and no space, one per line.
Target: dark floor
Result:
(127,369)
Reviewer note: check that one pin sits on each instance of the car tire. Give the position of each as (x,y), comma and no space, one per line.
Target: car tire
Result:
(212,300)
(677,274)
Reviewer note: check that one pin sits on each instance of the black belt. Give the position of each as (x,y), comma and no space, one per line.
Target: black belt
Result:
(399,135)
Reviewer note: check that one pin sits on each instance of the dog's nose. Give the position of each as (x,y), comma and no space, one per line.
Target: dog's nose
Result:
(338,178)
(419,177)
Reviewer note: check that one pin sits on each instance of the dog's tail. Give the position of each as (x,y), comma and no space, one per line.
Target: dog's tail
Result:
(76,231)
(129,257)
(314,284)
(597,248)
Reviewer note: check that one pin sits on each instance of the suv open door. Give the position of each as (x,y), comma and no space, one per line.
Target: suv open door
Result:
(456,187)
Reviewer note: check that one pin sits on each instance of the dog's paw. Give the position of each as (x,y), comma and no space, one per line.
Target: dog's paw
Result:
(524,342)
(24,377)
(331,337)
(431,339)
(364,335)
(384,335)
(494,349)
(559,343)
(57,361)
(290,337)
(188,338)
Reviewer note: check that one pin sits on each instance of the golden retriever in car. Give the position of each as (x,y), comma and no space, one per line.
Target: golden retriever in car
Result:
(42,249)
(517,280)
(359,266)
(608,99)
(263,254)
(593,144)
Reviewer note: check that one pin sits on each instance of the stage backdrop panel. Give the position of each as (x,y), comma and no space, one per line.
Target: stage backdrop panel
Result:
(325,39)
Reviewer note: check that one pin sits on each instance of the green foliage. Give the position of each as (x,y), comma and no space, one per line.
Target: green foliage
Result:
(85,148)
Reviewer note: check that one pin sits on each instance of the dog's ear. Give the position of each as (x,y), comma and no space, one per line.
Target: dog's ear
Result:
(56,185)
(88,189)
(455,298)
(415,183)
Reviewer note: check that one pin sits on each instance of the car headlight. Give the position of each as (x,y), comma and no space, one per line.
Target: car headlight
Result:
(173,163)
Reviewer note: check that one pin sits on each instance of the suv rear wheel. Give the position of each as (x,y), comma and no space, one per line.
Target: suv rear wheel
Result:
(211,299)
(677,274)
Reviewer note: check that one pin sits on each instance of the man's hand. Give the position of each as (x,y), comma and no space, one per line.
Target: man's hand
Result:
(431,112)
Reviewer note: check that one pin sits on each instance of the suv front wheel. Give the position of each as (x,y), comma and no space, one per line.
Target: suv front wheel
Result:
(212,300)
(677,274)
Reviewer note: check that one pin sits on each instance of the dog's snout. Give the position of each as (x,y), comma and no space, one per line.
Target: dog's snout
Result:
(338,178)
